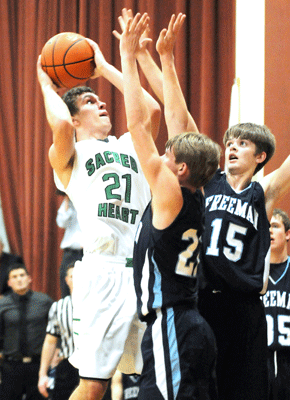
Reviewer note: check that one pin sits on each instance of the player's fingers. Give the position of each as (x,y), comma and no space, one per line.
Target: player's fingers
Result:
(92,43)
(143,23)
(122,23)
(128,25)
(161,39)
(116,34)
(135,21)
(145,41)
(171,22)
(179,22)
(163,33)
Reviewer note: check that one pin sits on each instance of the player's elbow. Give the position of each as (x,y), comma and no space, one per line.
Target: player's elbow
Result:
(140,127)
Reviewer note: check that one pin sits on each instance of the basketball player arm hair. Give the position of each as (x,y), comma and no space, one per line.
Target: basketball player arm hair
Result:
(276,185)
(115,77)
(58,116)
(47,353)
(167,198)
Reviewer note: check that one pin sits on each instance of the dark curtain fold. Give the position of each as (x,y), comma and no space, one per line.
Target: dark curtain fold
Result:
(204,57)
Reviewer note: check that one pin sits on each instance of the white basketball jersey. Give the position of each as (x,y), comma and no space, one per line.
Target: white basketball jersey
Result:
(109,192)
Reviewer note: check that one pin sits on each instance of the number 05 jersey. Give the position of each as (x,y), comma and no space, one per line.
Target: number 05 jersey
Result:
(165,260)
(236,239)
(277,306)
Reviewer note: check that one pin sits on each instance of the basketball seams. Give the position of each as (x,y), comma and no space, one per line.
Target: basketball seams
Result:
(64,63)
(70,63)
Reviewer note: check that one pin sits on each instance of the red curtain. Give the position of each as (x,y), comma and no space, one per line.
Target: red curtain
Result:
(204,58)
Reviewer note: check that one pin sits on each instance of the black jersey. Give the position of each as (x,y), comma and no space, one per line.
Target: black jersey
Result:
(165,260)
(236,240)
(130,386)
(277,306)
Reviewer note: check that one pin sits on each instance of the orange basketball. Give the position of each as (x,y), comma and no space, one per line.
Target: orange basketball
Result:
(68,59)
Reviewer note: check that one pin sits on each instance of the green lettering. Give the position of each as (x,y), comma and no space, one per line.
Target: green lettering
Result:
(99,161)
(117,212)
(90,167)
(125,214)
(102,212)
(111,213)
(108,158)
(125,160)
(134,214)
(133,164)
(116,157)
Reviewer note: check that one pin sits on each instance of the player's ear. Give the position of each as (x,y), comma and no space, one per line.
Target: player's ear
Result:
(288,235)
(261,157)
(183,169)
(75,121)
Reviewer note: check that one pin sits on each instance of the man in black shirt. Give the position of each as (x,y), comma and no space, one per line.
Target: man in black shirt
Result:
(23,320)
(6,260)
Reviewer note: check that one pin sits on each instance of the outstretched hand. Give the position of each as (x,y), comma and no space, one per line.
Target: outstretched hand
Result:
(130,40)
(167,37)
(123,20)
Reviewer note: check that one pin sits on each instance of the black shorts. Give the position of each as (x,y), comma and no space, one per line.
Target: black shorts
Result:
(239,324)
(279,373)
(179,356)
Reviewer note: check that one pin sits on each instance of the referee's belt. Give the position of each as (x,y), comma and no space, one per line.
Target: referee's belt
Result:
(21,358)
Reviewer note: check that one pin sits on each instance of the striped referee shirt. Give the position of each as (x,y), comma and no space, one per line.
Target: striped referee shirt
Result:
(60,321)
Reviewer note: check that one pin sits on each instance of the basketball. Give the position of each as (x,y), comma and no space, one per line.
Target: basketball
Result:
(68,59)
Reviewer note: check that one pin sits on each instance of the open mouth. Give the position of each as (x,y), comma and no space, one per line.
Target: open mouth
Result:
(104,113)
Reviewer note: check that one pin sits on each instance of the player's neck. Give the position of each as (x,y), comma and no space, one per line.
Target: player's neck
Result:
(84,134)
(239,182)
(278,257)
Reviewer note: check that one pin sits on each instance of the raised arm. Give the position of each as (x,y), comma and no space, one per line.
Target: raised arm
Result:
(166,193)
(62,151)
(276,185)
(184,122)
(115,77)
(177,116)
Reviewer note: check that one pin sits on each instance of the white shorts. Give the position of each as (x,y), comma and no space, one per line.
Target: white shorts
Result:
(107,332)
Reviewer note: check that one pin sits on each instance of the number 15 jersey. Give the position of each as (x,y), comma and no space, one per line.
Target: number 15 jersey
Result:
(236,239)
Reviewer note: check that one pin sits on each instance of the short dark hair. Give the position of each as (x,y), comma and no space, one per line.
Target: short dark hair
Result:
(284,217)
(260,135)
(69,266)
(15,266)
(70,97)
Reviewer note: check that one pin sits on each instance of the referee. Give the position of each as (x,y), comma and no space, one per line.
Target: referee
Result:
(59,330)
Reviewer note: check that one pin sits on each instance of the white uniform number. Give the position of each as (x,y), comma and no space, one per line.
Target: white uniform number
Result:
(283,329)
(233,253)
(182,268)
